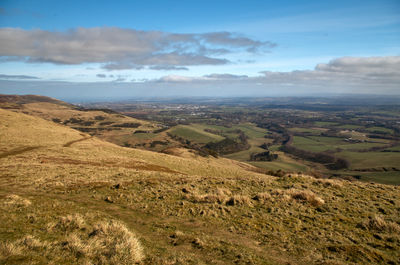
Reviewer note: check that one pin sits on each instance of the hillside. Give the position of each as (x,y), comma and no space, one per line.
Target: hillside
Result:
(102,123)
(70,198)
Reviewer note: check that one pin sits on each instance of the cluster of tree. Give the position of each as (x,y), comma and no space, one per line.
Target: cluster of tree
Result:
(163,129)
(154,143)
(128,125)
(263,156)
(190,145)
(228,146)
(328,160)
(279,133)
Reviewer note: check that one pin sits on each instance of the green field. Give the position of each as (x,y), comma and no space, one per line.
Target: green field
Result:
(315,131)
(348,126)
(379,129)
(325,123)
(395,148)
(192,133)
(385,177)
(392,177)
(283,165)
(245,155)
(371,159)
(322,143)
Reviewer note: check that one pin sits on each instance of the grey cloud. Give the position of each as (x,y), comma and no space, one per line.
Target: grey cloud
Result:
(234,40)
(167,67)
(356,73)
(20,77)
(119,79)
(345,71)
(225,76)
(121,66)
(122,48)
(101,75)
(373,66)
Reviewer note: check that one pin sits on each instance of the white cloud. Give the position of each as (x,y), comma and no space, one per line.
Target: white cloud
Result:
(368,74)
(123,48)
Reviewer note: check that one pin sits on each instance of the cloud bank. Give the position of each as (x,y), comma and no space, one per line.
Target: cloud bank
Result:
(346,75)
(347,72)
(120,48)
(18,77)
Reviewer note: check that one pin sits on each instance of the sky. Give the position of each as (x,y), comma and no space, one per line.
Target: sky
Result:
(112,50)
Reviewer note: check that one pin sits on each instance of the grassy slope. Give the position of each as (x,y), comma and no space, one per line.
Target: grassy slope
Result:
(192,133)
(104,128)
(183,210)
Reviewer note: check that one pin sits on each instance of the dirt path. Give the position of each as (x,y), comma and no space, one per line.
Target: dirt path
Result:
(17,151)
(68,144)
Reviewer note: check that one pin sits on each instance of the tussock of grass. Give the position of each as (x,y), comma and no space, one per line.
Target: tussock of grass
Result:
(68,223)
(330,182)
(262,197)
(107,242)
(377,223)
(122,246)
(8,249)
(306,196)
(220,196)
(16,201)
(239,200)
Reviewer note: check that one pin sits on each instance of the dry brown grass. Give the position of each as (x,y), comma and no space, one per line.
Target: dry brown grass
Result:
(16,201)
(262,197)
(106,242)
(220,195)
(122,245)
(306,196)
(239,200)
(68,223)
(377,223)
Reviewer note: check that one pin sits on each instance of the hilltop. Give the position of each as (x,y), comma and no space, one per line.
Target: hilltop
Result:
(69,197)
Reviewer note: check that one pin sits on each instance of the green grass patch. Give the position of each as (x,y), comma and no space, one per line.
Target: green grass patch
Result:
(194,134)
(379,129)
(315,131)
(245,155)
(276,165)
(325,123)
(322,143)
(348,126)
(371,159)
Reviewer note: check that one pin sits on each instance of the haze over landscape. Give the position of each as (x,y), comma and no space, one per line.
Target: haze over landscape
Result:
(200,132)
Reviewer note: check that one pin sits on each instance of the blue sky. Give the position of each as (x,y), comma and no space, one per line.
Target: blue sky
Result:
(177,48)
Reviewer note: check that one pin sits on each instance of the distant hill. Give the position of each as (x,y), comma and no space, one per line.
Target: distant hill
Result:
(69,198)
(25,99)
(103,123)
